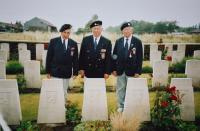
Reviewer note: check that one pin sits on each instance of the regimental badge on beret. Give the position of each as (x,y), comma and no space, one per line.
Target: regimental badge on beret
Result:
(95,23)
(65,27)
(126,24)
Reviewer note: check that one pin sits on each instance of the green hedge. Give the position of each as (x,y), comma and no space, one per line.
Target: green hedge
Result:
(147,69)
(21,81)
(180,66)
(14,67)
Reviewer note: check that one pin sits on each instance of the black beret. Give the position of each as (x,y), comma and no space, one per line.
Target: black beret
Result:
(95,23)
(126,24)
(65,27)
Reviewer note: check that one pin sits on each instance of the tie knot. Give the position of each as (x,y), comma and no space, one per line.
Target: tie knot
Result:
(126,39)
(63,41)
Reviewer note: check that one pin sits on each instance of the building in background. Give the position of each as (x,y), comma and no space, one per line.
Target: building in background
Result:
(38,24)
(9,27)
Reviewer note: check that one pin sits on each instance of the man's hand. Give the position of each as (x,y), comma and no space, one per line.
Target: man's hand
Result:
(106,76)
(136,76)
(48,76)
(82,73)
(114,73)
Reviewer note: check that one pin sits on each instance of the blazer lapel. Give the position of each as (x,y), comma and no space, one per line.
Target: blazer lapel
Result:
(60,45)
(69,44)
(132,44)
(91,44)
(121,47)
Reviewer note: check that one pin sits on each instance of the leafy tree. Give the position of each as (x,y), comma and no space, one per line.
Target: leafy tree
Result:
(172,26)
(19,26)
(160,27)
(141,27)
(114,29)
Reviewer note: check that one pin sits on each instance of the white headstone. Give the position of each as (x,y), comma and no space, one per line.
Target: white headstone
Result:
(181,48)
(160,73)
(32,74)
(39,51)
(22,46)
(197,54)
(95,100)
(137,100)
(184,85)
(24,55)
(192,70)
(2,69)
(52,102)
(5,46)
(177,56)
(44,55)
(3,55)
(155,56)
(9,102)
(153,47)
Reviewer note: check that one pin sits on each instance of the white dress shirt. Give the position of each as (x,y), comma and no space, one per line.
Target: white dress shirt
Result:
(98,38)
(129,41)
(66,42)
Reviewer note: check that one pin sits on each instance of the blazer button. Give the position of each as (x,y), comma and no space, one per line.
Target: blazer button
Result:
(89,64)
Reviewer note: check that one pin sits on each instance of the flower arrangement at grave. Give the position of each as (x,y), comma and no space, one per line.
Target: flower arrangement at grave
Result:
(168,58)
(166,110)
(165,56)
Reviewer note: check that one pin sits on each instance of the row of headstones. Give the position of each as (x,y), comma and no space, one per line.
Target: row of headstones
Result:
(177,56)
(23,53)
(155,55)
(52,103)
(160,72)
(31,73)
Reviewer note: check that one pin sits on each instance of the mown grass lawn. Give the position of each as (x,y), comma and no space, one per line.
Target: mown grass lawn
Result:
(30,102)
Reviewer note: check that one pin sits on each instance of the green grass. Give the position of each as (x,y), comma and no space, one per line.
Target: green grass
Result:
(30,102)
(29,106)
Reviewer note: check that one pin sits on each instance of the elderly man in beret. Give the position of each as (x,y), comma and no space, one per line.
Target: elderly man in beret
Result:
(95,54)
(127,61)
(62,57)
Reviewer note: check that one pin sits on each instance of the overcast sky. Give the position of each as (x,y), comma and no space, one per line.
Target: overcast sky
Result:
(111,12)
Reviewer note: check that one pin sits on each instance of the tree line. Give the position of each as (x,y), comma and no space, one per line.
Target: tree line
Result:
(141,27)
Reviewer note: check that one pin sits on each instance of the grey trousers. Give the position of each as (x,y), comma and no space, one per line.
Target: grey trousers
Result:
(121,89)
(65,85)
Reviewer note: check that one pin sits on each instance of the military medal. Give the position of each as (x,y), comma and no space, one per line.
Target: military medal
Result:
(72,51)
(130,54)
(103,51)
(134,51)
